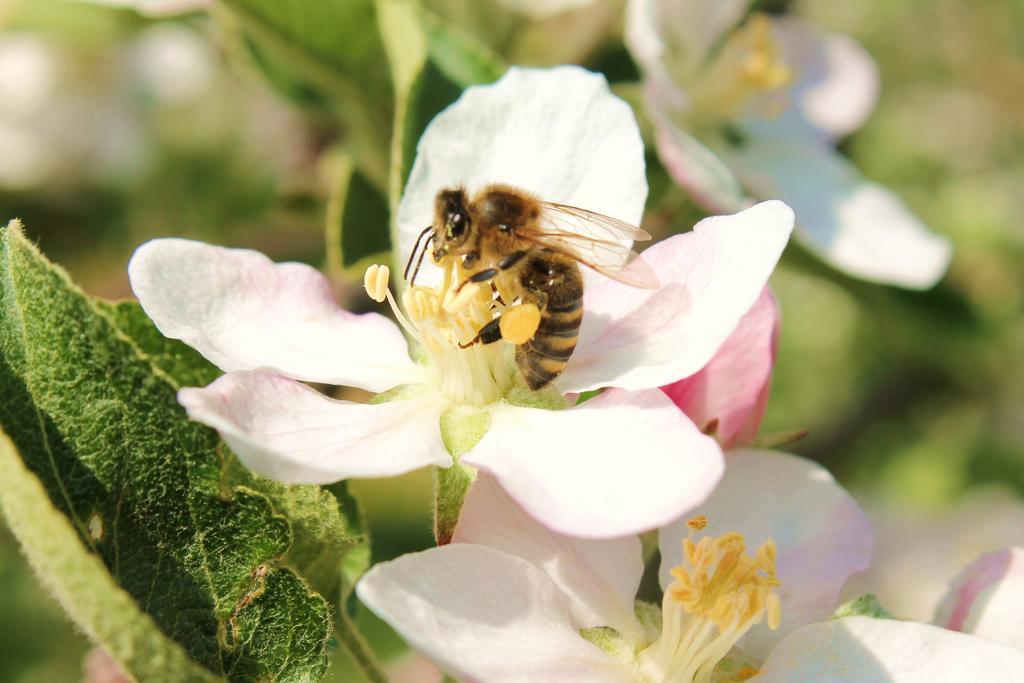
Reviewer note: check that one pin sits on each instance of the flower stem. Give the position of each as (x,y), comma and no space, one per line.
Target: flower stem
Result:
(358,648)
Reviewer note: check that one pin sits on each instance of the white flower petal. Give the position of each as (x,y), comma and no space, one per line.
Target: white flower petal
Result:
(821,534)
(680,33)
(710,277)
(987,598)
(485,615)
(620,463)
(837,80)
(558,133)
(856,225)
(864,650)
(600,578)
(242,311)
(285,430)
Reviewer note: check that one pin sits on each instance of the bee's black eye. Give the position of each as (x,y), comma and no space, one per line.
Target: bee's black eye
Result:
(456,223)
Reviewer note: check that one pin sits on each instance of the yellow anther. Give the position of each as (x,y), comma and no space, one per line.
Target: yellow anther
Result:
(421,303)
(718,593)
(519,323)
(455,302)
(375,281)
(773,606)
(763,68)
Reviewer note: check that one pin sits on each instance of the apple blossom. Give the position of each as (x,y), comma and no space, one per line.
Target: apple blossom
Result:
(754,108)
(624,461)
(511,600)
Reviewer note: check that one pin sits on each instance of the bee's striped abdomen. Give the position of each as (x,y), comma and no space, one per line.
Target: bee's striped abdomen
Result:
(543,358)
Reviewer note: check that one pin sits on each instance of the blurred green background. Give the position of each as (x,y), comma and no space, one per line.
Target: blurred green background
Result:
(115,128)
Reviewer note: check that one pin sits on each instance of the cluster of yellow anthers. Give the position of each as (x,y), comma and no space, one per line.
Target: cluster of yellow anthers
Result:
(444,320)
(749,64)
(762,68)
(718,593)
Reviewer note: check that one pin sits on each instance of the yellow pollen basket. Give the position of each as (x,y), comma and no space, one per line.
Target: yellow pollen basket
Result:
(519,323)
(718,593)
(444,320)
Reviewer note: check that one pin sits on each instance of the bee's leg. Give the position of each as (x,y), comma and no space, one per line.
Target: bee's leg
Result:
(490,273)
(488,334)
(517,325)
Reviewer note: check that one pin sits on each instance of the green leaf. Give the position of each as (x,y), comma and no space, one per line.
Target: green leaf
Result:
(121,464)
(330,548)
(430,67)
(183,364)
(357,220)
(80,581)
(322,52)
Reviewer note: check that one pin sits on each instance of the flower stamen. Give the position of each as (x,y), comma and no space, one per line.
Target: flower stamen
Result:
(445,321)
(718,593)
(749,64)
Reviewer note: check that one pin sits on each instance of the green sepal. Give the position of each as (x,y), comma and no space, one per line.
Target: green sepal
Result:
(866,605)
(462,427)
(609,641)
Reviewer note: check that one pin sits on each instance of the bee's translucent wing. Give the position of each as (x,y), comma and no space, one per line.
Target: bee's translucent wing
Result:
(597,241)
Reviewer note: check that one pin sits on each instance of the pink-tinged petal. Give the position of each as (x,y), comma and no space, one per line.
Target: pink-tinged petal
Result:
(865,650)
(618,464)
(599,578)
(710,277)
(559,133)
(287,431)
(837,81)
(484,615)
(413,668)
(732,389)
(856,225)
(987,598)
(821,534)
(696,168)
(242,311)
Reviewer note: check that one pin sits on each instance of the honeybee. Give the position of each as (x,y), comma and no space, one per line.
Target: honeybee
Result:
(528,249)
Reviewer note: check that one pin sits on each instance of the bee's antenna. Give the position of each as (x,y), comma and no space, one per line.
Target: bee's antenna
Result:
(426,246)
(415,248)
